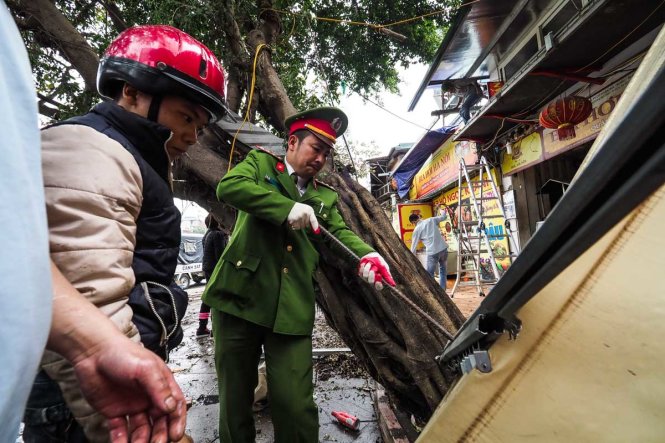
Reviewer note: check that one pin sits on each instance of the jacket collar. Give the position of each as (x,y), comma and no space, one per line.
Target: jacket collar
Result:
(301,181)
(148,137)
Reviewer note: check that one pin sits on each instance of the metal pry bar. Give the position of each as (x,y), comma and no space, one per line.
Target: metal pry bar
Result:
(393,289)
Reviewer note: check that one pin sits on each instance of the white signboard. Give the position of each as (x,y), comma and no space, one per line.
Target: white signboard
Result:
(192,267)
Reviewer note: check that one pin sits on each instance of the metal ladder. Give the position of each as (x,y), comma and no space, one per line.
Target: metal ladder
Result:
(473,240)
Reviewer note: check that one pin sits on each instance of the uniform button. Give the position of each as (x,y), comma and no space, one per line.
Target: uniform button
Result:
(239,263)
(286,270)
(325,215)
(289,248)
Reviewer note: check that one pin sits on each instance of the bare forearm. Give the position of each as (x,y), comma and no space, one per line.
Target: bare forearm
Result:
(78,327)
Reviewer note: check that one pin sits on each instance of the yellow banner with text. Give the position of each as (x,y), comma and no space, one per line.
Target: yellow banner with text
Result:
(443,168)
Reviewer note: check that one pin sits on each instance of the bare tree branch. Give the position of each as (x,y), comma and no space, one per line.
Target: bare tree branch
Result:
(83,11)
(62,35)
(48,112)
(49,100)
(115,14)
(271,24)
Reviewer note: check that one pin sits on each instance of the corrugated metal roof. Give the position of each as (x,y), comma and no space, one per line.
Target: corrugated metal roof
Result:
(472,30)
(584,42)
(251,135)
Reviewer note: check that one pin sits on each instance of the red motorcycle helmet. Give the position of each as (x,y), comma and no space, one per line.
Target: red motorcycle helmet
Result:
(162,60)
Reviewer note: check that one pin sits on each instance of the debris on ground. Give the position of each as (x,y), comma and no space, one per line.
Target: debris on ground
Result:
(323,336)
(339,365)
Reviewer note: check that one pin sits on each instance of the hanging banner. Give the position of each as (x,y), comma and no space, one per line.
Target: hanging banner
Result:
(405,226)
(526,152)
(495,226)
(442,168)
(604,102)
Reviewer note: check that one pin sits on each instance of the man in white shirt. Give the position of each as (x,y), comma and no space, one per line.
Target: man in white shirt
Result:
(427,231)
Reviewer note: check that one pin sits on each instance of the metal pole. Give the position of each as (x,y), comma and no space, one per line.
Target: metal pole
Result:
(392,289)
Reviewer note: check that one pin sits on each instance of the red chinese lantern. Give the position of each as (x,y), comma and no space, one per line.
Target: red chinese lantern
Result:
(564,114)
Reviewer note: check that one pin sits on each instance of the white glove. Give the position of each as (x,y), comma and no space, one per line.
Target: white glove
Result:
(302,216)
(374,269)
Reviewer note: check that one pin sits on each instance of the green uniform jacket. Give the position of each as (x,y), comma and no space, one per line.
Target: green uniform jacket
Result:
(266,273)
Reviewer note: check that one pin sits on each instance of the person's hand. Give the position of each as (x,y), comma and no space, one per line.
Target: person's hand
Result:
(130,386)
(134,390)
(302,216)
(374,269)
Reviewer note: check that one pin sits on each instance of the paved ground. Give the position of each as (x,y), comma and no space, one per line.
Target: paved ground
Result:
(193,365)
(466,297)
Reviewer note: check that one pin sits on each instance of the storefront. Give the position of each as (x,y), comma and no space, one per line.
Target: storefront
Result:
(541,166)
(436,186)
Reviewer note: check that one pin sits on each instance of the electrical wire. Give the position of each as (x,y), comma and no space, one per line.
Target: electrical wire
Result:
(249,103)
(400,22)
(386,110)
(333,20)
(496,134)
(366,24)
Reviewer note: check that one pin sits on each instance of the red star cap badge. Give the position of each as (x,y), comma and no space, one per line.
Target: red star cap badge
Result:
(280,167)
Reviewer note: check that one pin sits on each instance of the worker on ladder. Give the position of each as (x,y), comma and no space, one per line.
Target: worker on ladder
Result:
(427,231)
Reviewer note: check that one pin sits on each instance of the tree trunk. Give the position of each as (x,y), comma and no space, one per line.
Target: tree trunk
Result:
(392,341)
(396,345)
(273,98)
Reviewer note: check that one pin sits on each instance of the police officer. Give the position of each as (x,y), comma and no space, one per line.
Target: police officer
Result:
(262,292)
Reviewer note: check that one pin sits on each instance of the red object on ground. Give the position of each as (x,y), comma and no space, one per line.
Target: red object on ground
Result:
(564,114)
(346,419)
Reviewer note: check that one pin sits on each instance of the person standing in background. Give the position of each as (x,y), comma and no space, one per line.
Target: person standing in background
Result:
(436,247)
(214,242)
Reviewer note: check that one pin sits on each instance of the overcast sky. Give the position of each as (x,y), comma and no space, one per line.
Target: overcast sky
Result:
(368,122)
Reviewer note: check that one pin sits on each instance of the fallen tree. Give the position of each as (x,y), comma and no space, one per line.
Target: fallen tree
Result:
(391,340)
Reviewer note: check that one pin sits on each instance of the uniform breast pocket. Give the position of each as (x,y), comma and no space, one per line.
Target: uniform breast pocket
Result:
(238,274)
(321,210)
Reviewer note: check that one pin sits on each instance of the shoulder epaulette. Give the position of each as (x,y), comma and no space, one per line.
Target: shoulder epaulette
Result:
(319,182)
(262,149)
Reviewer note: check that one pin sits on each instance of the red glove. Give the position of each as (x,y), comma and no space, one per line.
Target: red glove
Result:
(374,269)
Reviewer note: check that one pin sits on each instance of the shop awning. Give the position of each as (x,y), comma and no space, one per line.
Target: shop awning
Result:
(418,155)
(472,32)
(534,72)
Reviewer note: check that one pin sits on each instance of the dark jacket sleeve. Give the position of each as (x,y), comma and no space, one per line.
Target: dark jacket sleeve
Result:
(213,247)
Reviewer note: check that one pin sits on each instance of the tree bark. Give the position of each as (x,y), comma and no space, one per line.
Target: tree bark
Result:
(273,97)
(396,344)
(392,341)
(115,14)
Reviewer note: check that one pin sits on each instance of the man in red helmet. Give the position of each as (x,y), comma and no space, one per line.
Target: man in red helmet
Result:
(114,229)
